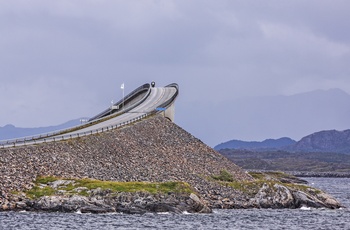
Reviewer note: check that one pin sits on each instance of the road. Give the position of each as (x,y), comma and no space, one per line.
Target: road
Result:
(155,99)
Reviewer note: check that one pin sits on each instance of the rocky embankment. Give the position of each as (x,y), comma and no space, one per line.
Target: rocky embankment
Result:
(154,150)
(65,196)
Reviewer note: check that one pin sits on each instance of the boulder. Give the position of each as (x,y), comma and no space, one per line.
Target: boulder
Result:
(277,196)
(328,200)
(303,199)
(197,205)
(60,203)
(96,210)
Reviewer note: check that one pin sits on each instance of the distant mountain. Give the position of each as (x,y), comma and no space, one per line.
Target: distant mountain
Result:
(324,141)
(331,141)
(11,132)
(258,118)
(289,161)
(256,145)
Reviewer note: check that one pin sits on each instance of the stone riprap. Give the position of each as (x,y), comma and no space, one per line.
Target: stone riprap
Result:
(154,150)
(100,200)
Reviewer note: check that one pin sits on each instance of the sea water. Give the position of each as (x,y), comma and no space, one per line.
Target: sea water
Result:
(305,218)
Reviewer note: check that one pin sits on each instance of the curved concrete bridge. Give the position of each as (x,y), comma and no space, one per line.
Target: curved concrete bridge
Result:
(144,101)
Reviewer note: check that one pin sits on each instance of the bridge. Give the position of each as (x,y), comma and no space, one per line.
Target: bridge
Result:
(144,101)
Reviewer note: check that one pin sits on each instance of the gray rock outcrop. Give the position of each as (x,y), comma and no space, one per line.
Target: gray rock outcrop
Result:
(104,201)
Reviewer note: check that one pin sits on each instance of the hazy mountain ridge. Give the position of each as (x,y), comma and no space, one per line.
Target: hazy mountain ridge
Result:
(261,117)
(325,110)
(289,161)
(323,141)
(256,145)
(324,151)
(11,132)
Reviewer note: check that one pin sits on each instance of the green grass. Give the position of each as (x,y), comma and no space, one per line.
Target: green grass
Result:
(165,187)
(37,192)
(45,180)
(304,188)
(223,176)
(151,187)
(257,175)
(273,174)
(251,188)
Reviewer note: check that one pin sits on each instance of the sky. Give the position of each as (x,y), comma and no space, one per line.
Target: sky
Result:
(61,60)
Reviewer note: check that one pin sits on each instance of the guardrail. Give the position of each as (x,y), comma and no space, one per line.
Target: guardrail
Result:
(49,134)
(124,100)
(92,121)
(170,100)
(52,137)
(72,136)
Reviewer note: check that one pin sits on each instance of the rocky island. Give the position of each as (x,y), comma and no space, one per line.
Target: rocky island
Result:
(152,165)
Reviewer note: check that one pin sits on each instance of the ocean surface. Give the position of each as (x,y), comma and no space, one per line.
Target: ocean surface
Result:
(220,219)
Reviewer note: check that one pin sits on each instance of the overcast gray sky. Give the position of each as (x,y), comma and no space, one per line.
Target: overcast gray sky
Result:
(61,60)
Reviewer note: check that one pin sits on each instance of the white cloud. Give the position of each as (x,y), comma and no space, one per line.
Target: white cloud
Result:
(81,51)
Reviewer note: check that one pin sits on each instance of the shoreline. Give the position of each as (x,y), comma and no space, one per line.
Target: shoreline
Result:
(323,174)
(307,173)
(269,190)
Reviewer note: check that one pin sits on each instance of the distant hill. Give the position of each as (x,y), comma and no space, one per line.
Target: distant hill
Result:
(258,118)
(11,132)
(324,141)
(325,151)
(256,145)
(289,161)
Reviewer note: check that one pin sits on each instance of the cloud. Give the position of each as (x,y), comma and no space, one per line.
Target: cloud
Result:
(77,53)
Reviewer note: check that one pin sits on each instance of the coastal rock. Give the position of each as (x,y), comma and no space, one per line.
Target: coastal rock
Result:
(59,203)
(277,196)
(315,199)
(96,209)
(131,203)
(328,200)
(305,200)
(198,205)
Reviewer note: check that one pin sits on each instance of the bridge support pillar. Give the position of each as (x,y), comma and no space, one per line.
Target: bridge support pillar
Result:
(170,112)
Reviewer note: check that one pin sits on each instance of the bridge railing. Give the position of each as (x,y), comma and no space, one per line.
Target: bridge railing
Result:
(170,100)
(51,137)
(71,136)
(127,98)
(46,135)
(92,121)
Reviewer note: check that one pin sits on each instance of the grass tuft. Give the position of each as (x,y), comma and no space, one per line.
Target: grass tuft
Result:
(42,187)
(223,176)
(45,179)
(37,192)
